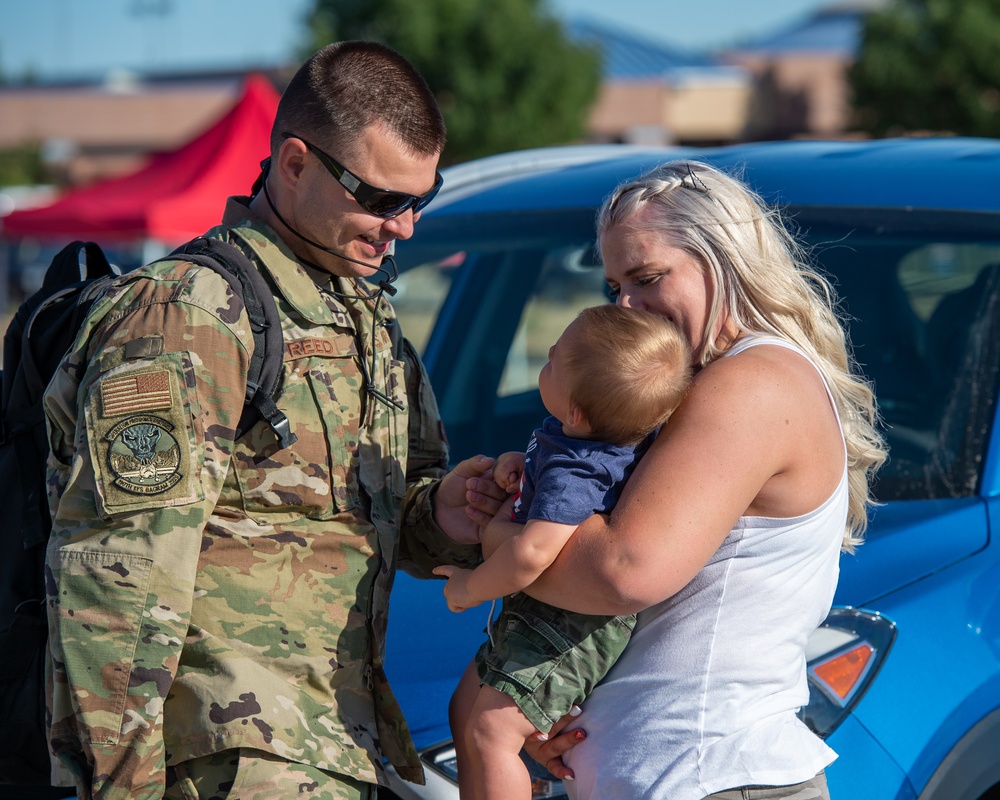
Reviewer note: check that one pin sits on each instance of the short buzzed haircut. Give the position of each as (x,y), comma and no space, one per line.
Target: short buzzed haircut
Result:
(628,370)
(349,86)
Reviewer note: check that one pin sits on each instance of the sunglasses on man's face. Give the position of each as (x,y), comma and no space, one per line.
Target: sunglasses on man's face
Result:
(383,203)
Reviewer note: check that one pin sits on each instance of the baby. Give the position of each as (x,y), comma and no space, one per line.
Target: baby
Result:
(612,379)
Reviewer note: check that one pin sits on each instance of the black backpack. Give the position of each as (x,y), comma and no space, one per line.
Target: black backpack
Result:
(41,332)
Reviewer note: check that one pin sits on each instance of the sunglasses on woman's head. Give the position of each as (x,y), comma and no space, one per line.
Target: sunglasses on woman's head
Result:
(383,203)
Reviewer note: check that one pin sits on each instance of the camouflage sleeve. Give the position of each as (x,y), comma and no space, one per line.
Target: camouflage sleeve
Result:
(141,425)
(423,545)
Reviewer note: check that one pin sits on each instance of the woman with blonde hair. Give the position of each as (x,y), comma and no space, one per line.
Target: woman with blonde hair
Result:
(727,537)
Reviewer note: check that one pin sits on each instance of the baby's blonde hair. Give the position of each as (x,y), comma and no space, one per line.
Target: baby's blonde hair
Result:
(628,371)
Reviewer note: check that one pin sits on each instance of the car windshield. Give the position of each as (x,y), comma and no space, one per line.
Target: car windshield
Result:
(484,297)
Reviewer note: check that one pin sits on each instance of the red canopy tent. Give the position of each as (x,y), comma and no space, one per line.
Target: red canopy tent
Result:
(175,197)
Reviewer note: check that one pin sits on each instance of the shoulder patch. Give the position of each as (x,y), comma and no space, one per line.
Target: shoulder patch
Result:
(140,432)
(143,455)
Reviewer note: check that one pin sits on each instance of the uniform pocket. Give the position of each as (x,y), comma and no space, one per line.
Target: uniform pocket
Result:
(100,604)
(316,476)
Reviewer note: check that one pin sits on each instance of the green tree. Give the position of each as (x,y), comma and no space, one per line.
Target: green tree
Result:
(22,166)
(930,65)
(504,72)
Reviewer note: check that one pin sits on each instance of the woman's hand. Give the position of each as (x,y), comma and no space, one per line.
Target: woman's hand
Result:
(548,750)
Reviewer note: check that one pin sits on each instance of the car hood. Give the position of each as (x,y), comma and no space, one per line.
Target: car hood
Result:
(907,541)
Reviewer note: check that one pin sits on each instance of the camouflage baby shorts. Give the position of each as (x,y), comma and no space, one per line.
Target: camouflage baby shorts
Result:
(548,659)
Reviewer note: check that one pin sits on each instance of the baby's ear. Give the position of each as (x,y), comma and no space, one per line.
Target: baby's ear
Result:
(578,419)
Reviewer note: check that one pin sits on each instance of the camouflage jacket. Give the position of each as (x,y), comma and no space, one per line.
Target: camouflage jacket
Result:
(208,591)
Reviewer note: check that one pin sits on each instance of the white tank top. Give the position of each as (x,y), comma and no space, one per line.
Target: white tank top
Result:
(705,696)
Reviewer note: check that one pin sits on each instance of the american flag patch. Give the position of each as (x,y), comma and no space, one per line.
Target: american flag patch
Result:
(130,393)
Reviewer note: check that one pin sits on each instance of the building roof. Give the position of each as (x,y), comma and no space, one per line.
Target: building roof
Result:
(628,56)
(834,30)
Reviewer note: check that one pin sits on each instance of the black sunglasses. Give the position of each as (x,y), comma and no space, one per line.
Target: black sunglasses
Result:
(380,202)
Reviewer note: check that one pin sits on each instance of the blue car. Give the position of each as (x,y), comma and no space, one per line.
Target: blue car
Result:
(905,673)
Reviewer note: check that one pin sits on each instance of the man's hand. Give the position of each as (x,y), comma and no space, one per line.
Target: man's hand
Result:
(467,498)
(456,590)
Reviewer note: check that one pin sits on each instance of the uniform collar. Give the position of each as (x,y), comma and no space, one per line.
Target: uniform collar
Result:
(297,283)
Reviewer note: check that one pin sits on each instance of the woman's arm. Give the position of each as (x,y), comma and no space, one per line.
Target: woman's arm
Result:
(756,434)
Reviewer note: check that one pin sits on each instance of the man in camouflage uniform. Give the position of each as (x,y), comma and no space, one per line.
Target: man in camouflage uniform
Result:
(217,603)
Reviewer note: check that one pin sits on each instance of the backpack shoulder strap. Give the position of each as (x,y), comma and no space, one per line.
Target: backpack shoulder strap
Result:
(266,362)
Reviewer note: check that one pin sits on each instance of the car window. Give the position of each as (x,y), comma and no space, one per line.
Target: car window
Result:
(568,281)
(420,292)
(920,292)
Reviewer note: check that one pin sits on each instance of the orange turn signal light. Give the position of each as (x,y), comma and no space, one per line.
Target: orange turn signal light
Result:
(842,672)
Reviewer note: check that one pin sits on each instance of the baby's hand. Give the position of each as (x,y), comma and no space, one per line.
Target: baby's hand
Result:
(456,590)
(507,471)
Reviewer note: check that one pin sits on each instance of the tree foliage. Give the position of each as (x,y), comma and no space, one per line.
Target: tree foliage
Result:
(22,166)
(505,74)
(930,65)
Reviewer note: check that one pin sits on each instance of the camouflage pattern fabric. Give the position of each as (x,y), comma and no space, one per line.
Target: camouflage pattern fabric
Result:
(208,592)
(254,775)
(547,659)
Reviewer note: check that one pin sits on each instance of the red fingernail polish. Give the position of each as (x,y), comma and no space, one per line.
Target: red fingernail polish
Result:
(579,735)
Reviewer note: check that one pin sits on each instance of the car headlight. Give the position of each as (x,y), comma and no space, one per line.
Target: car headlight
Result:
(843,657)
(544,785)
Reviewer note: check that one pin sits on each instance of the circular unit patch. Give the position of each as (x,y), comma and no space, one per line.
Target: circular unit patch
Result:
(144,455)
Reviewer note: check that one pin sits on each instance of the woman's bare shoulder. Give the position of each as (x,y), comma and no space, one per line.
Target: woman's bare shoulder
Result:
(781,410)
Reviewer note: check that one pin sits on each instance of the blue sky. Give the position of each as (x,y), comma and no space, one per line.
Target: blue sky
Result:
(87,38)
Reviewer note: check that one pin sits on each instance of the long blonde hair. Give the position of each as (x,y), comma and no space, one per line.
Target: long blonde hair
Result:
(764,283)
